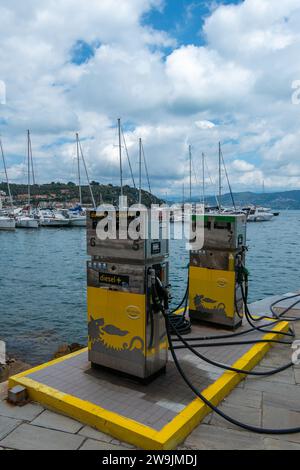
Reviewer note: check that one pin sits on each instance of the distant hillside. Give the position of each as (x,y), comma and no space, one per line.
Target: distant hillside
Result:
(279,200)
(63,193)
(284,200)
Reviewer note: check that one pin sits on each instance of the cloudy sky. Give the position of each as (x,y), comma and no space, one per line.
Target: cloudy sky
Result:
(177,72)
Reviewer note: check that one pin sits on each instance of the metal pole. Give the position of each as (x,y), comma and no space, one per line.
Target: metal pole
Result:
(87,174)
(120,156)
(140,171)
(6,175)
(78,168)
(31,161)
(146,168)
(190,156)
(28,164)
(203,179)
(220,177)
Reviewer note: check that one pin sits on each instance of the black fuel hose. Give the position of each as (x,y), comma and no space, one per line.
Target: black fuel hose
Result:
(243,280)
(287,309)
(182,324)
(237,343)
(261,328)
(171,327)
(225,366)
(215,408)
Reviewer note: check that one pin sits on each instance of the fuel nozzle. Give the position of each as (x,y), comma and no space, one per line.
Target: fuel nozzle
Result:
(242,271)
(151,277)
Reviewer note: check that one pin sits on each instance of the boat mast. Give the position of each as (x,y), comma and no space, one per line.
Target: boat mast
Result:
(190,160)
(6,175)
(28,165)
(146,168)
(120,156)
(78,168)
(203,179)
(86,172)
(31,161)
(140,171)
(220,176)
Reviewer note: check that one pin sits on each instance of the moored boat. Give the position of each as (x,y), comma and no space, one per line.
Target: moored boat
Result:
(51,218)
(7,223)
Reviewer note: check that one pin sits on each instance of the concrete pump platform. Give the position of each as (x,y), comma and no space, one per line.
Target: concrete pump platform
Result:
(157,416)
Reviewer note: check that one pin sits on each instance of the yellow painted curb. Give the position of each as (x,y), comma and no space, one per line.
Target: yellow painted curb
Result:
(130,431)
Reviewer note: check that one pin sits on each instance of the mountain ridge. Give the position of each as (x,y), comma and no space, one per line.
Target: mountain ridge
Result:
(281,200)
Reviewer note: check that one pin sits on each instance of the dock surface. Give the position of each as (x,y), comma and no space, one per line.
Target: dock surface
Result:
(271,402)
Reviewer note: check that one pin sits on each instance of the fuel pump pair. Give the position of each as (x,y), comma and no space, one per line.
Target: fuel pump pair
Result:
(127,280)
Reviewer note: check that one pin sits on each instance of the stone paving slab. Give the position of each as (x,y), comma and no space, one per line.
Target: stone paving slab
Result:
(289,401)
(208,437)
(87,431)
(284,377)
(243,413)
(279,418)
(7,425)
(27,437)
(271,387)
(51,420)
(26,413)
(277,444)
(90,444)
(238,397)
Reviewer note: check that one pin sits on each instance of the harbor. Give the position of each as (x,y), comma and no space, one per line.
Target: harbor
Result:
(149,219)
(163,414)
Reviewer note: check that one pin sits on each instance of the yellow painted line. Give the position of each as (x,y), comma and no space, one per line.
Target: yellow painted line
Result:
(93,415)
(129,430)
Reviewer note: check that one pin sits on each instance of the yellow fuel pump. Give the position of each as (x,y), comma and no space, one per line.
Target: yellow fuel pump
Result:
(214,292)
(126,334)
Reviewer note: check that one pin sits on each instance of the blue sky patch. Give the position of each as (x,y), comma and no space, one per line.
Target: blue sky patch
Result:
(82,52)
(184,19)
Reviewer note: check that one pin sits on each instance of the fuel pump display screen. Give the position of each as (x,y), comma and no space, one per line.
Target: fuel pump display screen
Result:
(155,248)
(113,279)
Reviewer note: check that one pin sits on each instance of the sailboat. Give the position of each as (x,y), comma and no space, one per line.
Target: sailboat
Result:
(77,215)
(7,222)
(24,217)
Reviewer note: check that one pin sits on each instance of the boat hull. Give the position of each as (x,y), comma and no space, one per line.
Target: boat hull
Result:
(78,222)
(27,223)
(260,218)
(54,223)
(7,224)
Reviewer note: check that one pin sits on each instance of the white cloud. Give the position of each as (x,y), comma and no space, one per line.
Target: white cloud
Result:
(242,166)
(205,124)
(236,88)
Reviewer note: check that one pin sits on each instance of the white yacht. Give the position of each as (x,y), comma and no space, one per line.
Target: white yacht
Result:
(26,221)
(7,223)
(24,217)
(259,214)
(51,218)
(77,216)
